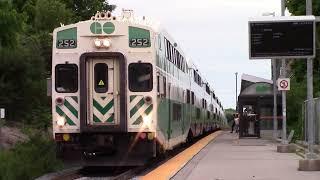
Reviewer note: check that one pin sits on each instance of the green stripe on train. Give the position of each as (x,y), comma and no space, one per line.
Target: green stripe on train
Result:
(95,119)
(103,110)
(137,107)
(61,113)
(146,112)
(71,108)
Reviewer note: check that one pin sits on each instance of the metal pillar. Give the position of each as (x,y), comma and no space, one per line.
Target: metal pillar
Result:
(283,75)
(284,105)
(275,109)
(236,91)
(311,154)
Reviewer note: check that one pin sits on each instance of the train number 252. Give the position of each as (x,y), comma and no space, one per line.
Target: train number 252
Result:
(139,42)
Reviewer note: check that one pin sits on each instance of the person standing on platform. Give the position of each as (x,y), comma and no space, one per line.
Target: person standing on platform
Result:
(237,121)
(233,123)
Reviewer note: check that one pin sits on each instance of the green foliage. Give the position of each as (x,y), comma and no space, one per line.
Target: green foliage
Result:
(298,7)
(229,114)
(29,160)
(85,9)
(49,14)
(11,25)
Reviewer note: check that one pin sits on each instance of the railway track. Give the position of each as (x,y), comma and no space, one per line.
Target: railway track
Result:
(115,173)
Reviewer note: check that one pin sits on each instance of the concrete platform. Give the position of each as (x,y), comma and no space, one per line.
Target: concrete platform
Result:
(228,158)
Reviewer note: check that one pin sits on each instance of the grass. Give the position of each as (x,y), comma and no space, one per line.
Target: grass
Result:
(30,159)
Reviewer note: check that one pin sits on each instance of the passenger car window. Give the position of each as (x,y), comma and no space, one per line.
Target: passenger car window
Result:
(66,78)
(140,77)
(101,77)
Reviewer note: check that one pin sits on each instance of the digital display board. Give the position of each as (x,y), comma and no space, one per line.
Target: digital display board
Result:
(284,38)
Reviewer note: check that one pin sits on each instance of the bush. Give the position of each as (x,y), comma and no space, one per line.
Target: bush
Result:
(29,160)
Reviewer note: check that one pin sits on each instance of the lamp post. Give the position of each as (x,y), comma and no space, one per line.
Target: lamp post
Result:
(236,91)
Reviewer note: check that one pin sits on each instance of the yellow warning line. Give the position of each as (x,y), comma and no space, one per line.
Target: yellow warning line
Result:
(171,167)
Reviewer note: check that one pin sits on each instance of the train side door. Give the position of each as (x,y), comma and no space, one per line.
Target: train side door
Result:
(102,92)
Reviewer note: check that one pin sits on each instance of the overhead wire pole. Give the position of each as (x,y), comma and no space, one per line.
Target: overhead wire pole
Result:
(283,75)
(275,109)
(236,91)
(311,154)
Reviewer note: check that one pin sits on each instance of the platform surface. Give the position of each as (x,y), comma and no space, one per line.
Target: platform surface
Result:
(230,158)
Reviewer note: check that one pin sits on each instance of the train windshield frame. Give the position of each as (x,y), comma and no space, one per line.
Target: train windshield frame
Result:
(140,77)
(66,78)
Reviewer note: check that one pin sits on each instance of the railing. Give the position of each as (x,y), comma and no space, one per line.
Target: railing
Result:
(316,120)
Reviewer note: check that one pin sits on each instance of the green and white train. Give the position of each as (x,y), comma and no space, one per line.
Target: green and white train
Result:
(123,91)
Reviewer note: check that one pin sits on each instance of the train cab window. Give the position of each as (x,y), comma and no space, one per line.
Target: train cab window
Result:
(101,77)
(140,77)
(66,78)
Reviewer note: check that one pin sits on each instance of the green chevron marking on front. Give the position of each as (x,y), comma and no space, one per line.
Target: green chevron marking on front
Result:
(103,110)
(75,98)
(132,98)
(146,112)
(95,119)
(136,107)
(111,118)
(61,113)
(71,108)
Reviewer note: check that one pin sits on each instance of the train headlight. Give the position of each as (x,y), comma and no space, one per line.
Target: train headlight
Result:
(147,121)
(106,43)
(98,43)
(61,121)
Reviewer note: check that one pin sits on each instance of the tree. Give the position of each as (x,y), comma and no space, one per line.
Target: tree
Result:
(10,23)
(85,9)
(229,114)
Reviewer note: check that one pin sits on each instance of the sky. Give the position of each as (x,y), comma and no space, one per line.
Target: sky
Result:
(213,33)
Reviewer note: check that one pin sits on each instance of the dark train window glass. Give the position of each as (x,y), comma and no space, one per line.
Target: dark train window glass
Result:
(208,115)
(192,97)
(101,77)
(158,84)
(66,78)
(164,86)
(140,77)
(198,113)
(188,96)
(177,112)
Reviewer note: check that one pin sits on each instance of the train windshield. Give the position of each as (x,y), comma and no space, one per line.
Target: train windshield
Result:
(140,77)
(66,78)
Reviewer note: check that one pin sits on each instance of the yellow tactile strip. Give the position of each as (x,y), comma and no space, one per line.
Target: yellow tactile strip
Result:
(171,167)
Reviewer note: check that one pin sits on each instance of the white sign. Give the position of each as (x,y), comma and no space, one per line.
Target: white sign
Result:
(283,84)
(2,113)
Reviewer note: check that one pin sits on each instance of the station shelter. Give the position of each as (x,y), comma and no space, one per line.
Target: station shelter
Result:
(255,106)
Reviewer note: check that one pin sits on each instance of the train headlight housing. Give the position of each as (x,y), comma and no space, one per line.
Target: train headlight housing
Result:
(148,99)
(147,120)
(106,43)
(61,121)
(98,43)
(60,101)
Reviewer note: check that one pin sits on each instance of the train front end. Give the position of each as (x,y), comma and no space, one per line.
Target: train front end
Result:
(103,92)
